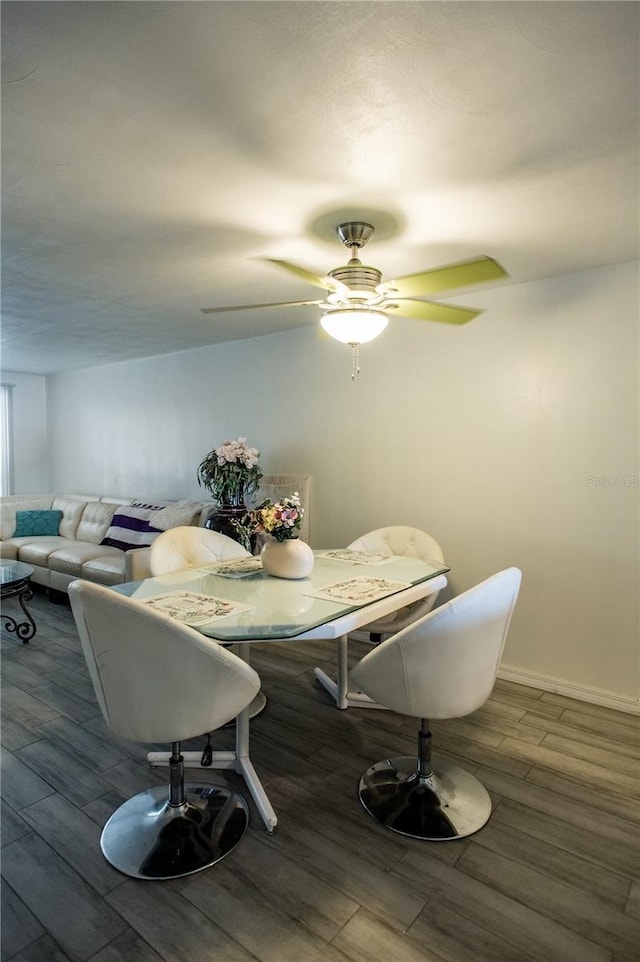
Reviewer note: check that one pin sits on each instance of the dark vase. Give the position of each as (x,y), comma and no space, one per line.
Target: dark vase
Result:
(223,516)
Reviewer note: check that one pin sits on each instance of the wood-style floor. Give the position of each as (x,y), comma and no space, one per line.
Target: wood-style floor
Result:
(553,876)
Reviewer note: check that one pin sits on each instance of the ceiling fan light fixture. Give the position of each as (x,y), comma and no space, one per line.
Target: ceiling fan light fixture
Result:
(354,325)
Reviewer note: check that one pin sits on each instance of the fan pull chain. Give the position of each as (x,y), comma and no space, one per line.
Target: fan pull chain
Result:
(356,368)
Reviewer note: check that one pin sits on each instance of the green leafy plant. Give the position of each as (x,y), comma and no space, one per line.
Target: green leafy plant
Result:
(231,472)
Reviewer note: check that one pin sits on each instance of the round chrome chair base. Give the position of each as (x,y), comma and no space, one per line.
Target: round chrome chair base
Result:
(450,803)
(149,839)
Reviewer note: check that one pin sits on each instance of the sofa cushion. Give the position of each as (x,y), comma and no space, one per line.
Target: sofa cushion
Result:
(95,521)
(8,550)
(131,526)
(36,551)
(37,523)
(72,510)
(107,569)
(11,505)
(70,557)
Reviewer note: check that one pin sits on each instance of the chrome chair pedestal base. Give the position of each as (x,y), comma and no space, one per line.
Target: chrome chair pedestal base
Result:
(449,803)
(148,838)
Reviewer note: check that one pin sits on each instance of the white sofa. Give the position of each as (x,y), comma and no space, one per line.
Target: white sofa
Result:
(76,551)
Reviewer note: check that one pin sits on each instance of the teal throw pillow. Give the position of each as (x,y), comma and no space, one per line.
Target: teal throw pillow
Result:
(36,523)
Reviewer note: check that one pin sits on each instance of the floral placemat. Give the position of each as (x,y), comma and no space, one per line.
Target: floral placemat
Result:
(358,557)
(193,608)
(359,591)
(238,568)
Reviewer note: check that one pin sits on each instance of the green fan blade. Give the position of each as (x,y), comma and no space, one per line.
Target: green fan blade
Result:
(449,278)
(326,283)
(251,307)
(428,311)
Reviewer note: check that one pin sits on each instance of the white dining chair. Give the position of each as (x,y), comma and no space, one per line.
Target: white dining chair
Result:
(442,666)
(189,546)
(181,548)
(157,680)
(405,541)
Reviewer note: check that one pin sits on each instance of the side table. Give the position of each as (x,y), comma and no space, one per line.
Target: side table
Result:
(15,582)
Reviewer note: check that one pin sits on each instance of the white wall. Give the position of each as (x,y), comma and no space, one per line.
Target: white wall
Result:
(512,440)
(30,439)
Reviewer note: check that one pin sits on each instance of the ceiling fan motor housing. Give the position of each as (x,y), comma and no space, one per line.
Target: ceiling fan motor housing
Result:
(357,276)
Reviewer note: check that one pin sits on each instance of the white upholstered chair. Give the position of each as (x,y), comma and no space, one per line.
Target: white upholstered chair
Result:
(157,680)
(190,547)
(399,540)
(442,666)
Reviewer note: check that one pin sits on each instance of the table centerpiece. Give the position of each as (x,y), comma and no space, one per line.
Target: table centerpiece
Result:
(283,554)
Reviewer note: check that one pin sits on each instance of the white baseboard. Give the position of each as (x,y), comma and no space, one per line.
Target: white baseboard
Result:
(595,696)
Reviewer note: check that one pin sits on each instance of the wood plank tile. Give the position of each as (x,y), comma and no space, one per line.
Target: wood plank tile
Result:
(68,776)
(128,947)
(490,724)
(337,881)
(43,949)
(528,930)
(551,698)
(521,697)
(393,900)
(366,939)
(518,843)
(26,708)
(577,827)
(75,837)
(605,739)
(81,744)
(20,927)
(294,889)
(602,801)
(271,921)
(18,673)
(172,926)
(585,771)
(633,902)
(457,938)
(14,734)
(624,729)
(604,755)
(66,702)
(77,682)
(12,825)
(20,785)
(78,919)
(565,904)
(102,808)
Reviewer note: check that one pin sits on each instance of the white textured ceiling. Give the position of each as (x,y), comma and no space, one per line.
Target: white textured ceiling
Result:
(153,152)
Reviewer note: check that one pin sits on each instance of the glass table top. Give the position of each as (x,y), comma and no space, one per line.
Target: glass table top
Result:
(272,608)
(12,571)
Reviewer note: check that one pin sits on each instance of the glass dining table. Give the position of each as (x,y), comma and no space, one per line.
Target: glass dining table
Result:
(238,604)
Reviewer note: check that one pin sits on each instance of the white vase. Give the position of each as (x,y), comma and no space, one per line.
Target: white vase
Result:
(287,559)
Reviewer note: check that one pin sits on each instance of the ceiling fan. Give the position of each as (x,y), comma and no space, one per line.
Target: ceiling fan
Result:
(358,300)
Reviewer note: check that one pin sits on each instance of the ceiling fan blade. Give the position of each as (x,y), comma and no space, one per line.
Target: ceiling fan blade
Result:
(326,283)
(448,278)
(429,311)
(251,307)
